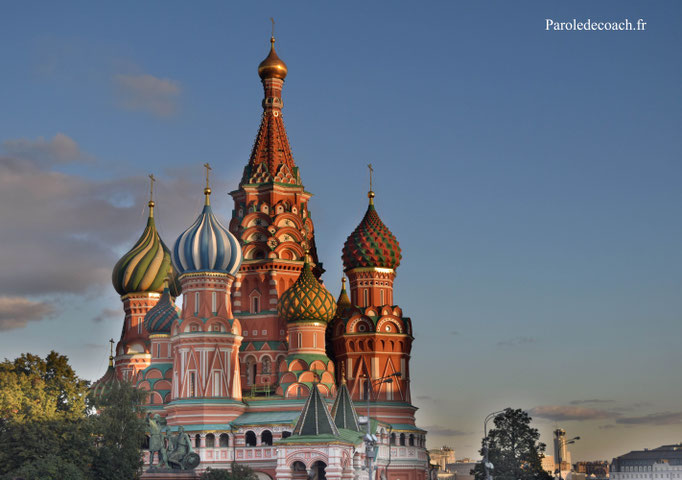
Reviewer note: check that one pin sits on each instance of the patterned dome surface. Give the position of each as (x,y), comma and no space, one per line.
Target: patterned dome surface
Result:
(145,266)
(207,246)
(371,244)
(306,300)
(161,316)
(104,384)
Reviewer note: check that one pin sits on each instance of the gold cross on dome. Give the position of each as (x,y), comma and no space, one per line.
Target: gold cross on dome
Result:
(151,186)
(371,171)
(273,27)
(208,169)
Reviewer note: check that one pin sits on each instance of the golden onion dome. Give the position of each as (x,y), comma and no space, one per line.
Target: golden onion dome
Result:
(272,66)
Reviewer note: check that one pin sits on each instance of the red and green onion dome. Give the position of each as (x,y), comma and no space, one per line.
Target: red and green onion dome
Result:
(145,266)
(161,316)
(371,244)
(307,300)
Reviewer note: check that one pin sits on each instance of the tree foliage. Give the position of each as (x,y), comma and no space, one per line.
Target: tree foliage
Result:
(49,432)
(120,431)
(238,472)
(513,449)
(36,389)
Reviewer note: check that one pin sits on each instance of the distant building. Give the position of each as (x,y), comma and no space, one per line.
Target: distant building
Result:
(442,456)
(595,469)
(662,463)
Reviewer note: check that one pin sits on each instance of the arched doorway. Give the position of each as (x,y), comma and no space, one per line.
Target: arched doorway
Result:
(318,471)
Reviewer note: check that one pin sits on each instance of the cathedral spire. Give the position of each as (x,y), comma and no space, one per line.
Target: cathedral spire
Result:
(271,159)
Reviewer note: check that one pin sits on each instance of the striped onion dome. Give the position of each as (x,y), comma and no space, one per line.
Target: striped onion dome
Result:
(207,246)
(371,244)
(307,299)
(144,267)
(162,315)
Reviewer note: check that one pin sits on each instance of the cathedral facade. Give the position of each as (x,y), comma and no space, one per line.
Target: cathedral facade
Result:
(263,365)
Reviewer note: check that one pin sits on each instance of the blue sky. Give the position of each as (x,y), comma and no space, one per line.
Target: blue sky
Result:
(532,178)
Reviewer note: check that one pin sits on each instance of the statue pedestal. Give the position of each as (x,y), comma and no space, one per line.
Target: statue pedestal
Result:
(171,475)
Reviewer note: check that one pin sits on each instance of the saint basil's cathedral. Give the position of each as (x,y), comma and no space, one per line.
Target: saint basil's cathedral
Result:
(263,365)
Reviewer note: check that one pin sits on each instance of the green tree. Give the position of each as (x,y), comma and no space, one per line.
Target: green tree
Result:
(514,449)
(32,388)
(119,429)
(238,472)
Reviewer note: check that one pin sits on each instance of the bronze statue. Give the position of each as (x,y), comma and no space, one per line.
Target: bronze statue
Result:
(157,442)
(182,455)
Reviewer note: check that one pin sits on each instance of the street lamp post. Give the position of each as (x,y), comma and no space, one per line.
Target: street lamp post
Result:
(486,463)
(371,440)
(562,442)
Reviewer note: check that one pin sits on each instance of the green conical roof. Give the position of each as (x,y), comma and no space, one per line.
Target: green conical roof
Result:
(343,411)
(315,418)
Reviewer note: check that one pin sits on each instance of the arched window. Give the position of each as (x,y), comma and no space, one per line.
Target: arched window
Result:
(210,440)
(196,302)
(266,437)
(393,439)
(411,440)
(365,294)
(224,440)
(402,439)
(382,297)
(299,339)
(286,434)
(197,440)
(255,304)
(267,365)
(250,439)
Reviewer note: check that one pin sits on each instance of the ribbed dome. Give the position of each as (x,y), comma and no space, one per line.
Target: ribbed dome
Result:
(207,246)
(162,315)
(272,66)
(371,244)
(306,300)
(145,266)
(104,384)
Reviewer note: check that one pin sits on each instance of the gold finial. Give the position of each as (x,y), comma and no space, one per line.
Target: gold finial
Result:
(370,194)
(272,35)
(111,352)
(343,282)
(151,194)
(207,190)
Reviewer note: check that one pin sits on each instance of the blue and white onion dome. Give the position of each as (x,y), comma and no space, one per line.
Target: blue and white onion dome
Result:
(207,246)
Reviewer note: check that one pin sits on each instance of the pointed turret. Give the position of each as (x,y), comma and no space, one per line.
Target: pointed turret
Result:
(343,411)
(315,418)
(271,159)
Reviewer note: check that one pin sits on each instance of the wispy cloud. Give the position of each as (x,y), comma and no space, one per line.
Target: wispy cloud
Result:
(16,312)
(107,314)
(568,412)
(147,93)
(661,418)
(517,342)
(590,402)
(60,149)
(445,431)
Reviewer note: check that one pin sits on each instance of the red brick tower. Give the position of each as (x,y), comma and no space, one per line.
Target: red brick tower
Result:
(273,225)
(370,337)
